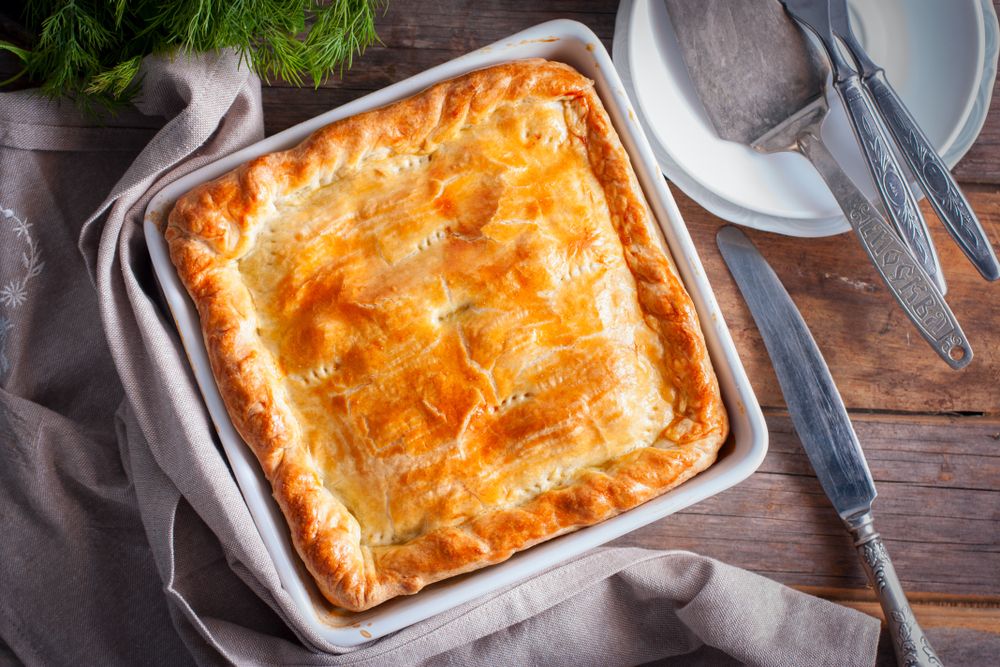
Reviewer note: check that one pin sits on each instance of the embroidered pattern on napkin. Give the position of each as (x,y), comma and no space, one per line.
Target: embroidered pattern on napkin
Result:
(14,290)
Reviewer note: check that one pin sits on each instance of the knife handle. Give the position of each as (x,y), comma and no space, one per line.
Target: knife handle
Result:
(934,176)
(911,644)
(888,176)
(909,284)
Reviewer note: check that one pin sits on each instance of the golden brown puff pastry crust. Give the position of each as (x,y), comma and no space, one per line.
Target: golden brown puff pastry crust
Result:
(448,329)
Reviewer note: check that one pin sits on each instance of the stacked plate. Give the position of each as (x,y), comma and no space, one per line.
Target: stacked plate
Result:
(940,56)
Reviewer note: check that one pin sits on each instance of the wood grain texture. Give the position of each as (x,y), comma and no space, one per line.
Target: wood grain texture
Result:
(938,510)
(963,630)
(982,163)
(937,469)
(415,41)
(878,359)
(935,458)
(938,504)
(933,610)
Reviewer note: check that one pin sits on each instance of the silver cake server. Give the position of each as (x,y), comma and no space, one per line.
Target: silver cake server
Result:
(873,139)
(932,173)
(825,430)
(762,85)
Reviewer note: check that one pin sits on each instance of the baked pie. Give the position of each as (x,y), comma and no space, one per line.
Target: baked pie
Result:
(449,330)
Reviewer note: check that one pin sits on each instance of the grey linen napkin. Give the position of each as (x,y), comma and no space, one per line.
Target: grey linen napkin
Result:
(125,537)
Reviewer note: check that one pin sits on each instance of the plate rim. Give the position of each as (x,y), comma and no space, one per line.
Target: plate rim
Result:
(959,142)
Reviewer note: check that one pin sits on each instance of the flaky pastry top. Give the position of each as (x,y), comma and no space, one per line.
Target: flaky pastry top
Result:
(449,330)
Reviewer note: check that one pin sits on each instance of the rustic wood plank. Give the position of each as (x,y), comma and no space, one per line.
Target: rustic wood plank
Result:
(957,647)
(876,356)
(981,163)
(964,630)
(879,361)
(933,610)
(938,509)
(939,502)
(415,41)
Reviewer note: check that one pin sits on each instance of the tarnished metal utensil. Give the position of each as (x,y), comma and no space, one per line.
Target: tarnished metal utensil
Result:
(932,173)
(873,139)
(762,85)
(825,430)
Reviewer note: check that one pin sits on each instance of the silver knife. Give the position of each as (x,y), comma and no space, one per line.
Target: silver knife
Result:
(761,84)
(935,178)
(825,430)
(873,139)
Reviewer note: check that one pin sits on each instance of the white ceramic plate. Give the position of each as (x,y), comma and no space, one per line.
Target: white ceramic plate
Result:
(565,41)
(940,56)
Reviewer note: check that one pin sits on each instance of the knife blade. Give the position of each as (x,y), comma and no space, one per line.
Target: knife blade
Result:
(814,403)
(873,138)
(825,431)
(933,174)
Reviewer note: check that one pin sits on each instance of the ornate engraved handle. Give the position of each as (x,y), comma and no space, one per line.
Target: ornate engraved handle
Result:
(888,176)
(912,646)
(909,284)
(937,182)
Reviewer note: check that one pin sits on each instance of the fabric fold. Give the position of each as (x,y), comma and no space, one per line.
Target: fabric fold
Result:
(128,540)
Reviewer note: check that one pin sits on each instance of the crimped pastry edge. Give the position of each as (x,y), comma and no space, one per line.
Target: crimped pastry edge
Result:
(214,225)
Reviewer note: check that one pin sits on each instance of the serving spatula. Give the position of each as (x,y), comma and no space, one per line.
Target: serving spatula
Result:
(762,85)
(825,430)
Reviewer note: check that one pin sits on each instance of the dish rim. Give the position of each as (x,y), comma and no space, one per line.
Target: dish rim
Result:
(561,40)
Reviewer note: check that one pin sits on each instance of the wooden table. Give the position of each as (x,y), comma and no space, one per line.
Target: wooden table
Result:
(932,435)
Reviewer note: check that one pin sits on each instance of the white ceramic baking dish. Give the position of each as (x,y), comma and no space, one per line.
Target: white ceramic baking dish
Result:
(575,44)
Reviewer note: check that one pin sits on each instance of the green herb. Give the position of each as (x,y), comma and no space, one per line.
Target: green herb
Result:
(91,50)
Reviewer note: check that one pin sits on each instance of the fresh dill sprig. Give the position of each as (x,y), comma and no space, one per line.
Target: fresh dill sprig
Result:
(91,50)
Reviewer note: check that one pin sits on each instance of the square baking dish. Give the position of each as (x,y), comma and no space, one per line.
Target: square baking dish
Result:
(565,41)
